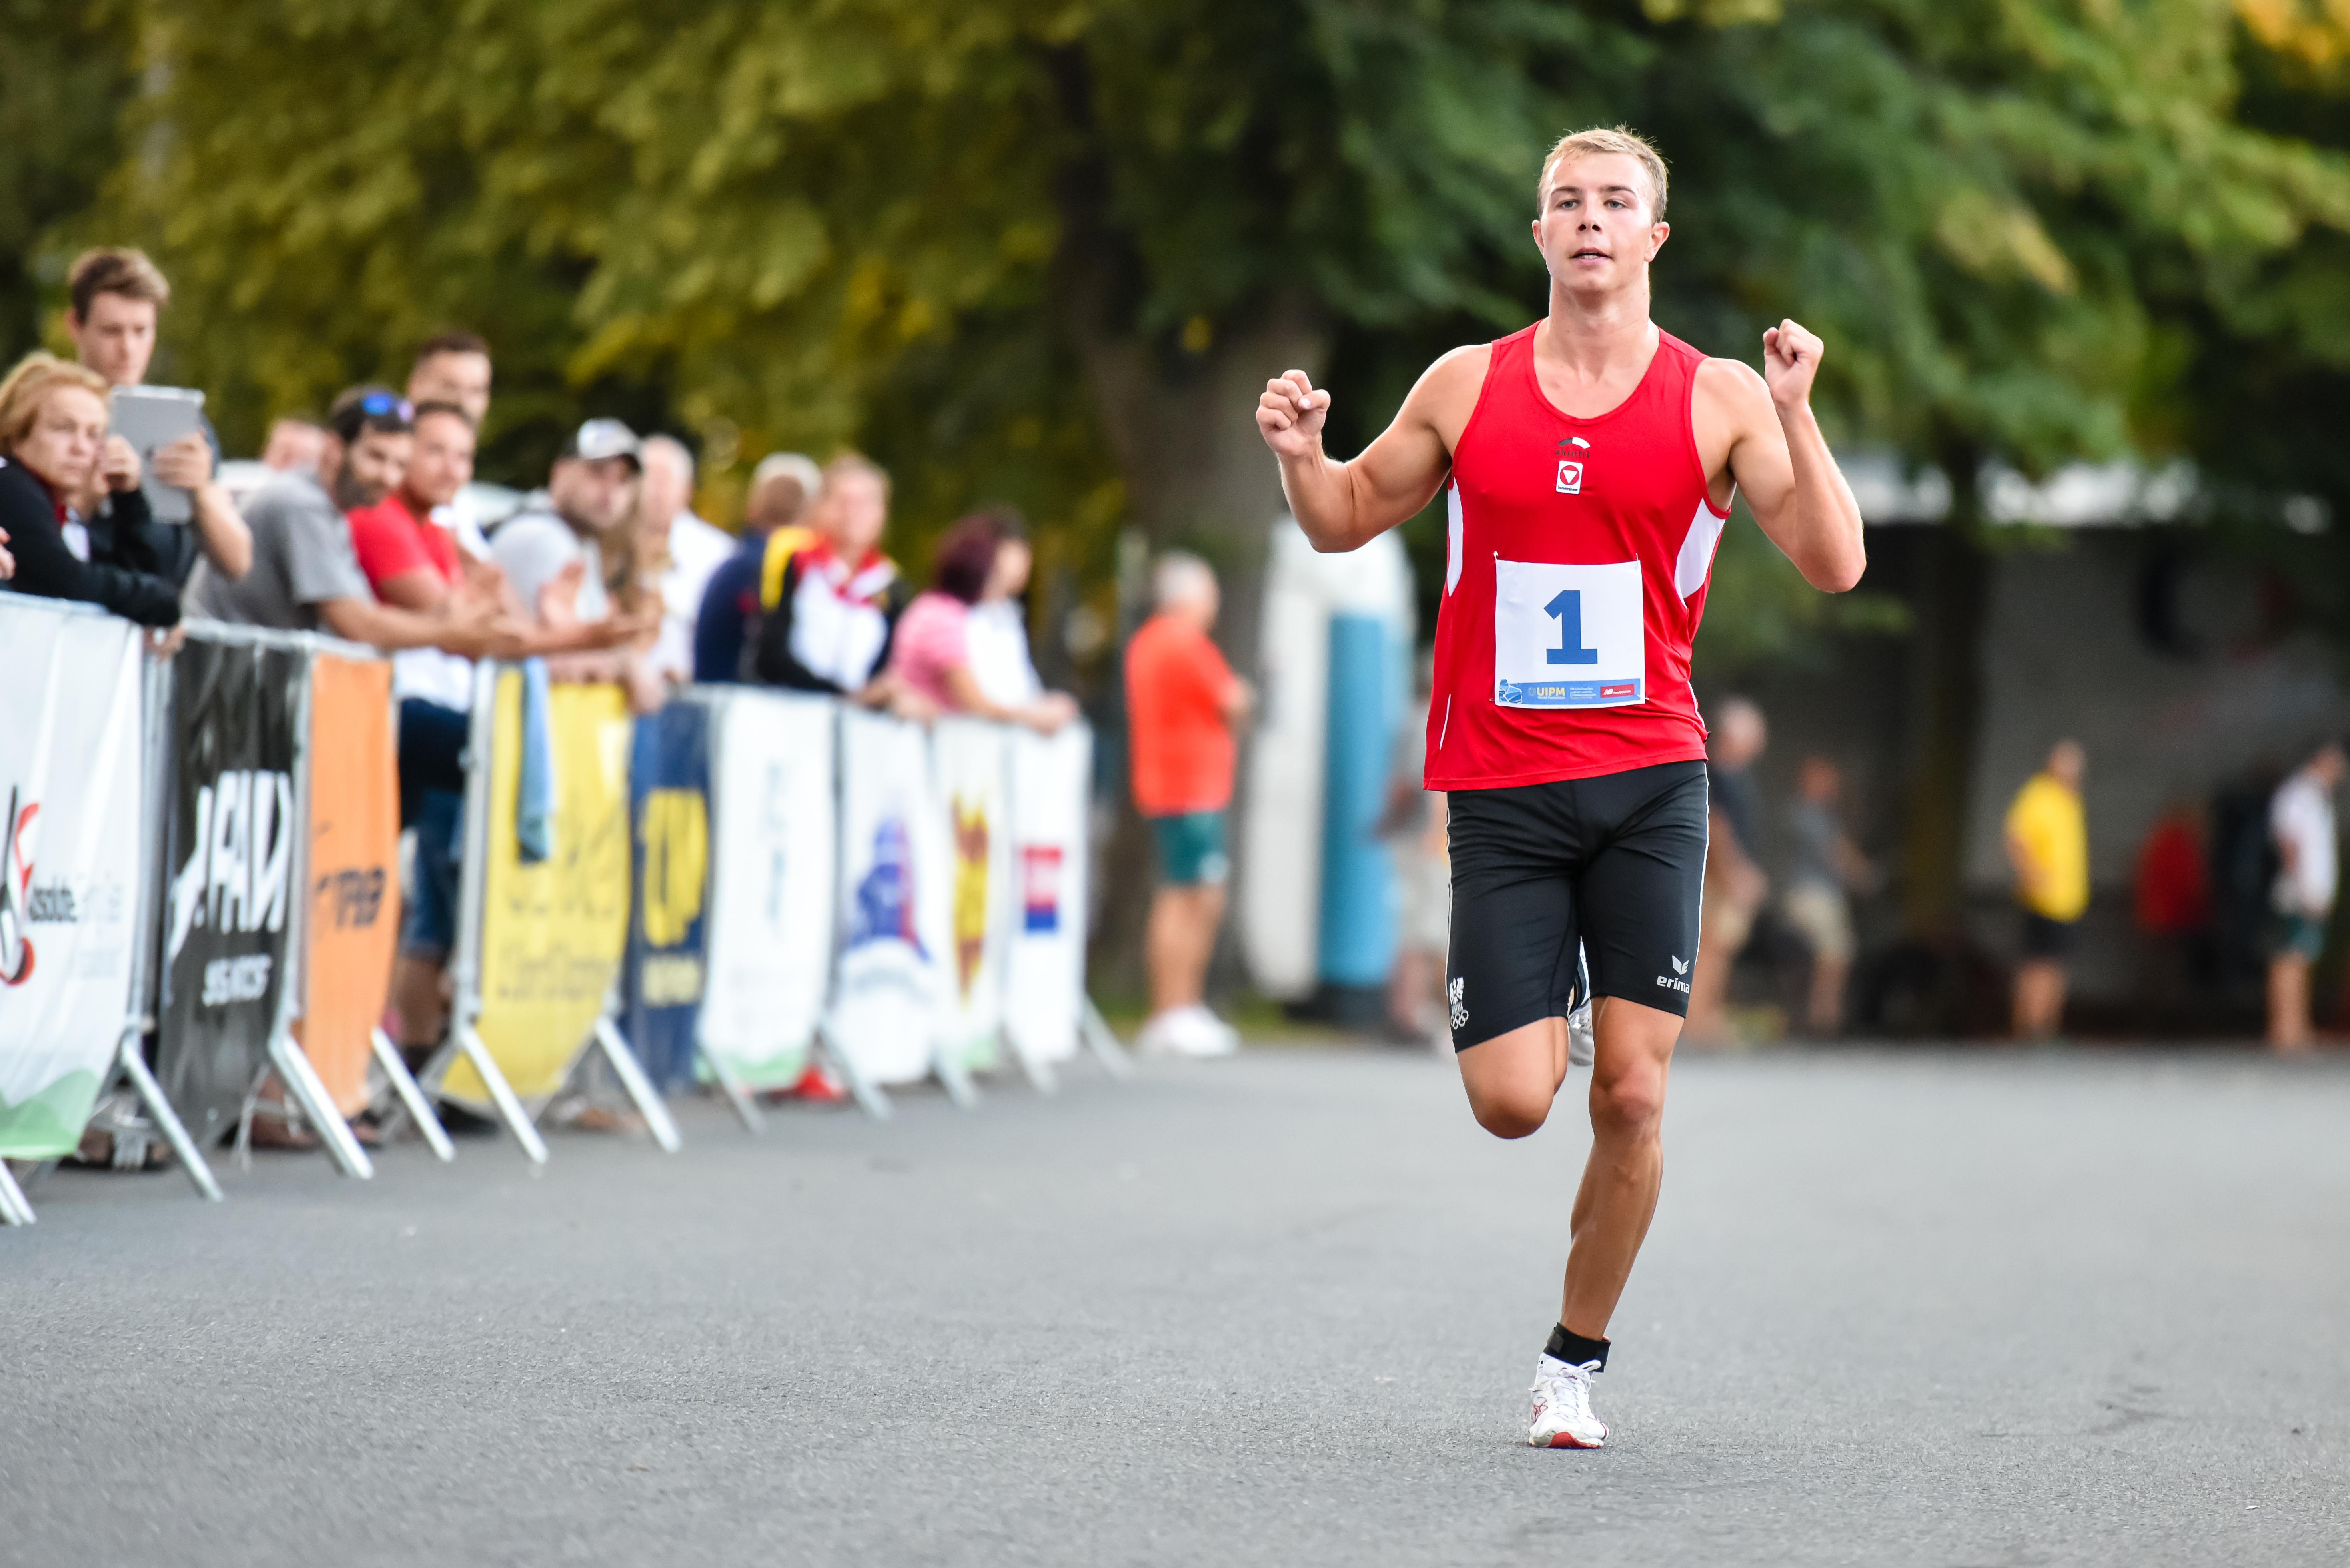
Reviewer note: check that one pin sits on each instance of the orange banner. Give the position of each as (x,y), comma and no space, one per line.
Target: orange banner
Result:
(354,915)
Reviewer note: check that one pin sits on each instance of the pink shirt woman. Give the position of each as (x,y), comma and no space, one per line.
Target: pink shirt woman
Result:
(934,640)
(981,558)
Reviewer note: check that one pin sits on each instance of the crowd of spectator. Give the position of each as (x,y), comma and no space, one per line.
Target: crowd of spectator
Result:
(362,527)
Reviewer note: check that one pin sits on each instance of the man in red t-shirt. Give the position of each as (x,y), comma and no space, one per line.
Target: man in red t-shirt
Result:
(414,562)
(1182,704)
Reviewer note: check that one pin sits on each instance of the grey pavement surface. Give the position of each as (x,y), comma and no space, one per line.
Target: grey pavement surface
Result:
(1949,1309)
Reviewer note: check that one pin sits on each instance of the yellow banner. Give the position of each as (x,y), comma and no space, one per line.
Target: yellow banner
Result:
(553,932)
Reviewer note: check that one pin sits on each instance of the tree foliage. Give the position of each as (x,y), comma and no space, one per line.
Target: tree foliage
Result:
(1044,249)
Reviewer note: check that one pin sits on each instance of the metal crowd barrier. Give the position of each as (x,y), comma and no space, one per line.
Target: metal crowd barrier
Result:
(880,903)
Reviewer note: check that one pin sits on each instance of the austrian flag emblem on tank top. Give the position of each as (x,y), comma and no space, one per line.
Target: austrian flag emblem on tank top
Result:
(1570,465)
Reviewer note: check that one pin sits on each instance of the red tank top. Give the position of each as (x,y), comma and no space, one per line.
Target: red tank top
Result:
(1579,551)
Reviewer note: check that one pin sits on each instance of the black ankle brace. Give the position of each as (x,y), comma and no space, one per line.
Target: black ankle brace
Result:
(1576,1350)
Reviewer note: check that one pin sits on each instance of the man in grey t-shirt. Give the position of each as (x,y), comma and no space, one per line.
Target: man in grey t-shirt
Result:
(305,574)
(302,559)
(591,492)
(590,496)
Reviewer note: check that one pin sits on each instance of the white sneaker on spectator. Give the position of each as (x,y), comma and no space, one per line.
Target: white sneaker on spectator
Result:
(1563,1418)
(1215,1037)
(1191,1031)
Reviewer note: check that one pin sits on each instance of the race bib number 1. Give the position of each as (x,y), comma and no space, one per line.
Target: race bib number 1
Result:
(1568,637)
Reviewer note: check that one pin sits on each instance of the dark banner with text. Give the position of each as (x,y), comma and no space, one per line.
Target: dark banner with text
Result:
(230,855)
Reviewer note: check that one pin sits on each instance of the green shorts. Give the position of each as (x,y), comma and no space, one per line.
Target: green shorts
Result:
(1191,849)
(2296,936)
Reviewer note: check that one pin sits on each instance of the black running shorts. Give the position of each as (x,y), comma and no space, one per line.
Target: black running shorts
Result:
(1616,864)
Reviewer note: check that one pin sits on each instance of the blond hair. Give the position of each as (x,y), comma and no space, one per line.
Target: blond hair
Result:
(1600,140)
(29,386)
(850,462)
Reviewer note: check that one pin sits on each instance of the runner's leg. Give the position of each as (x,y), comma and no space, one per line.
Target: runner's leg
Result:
(1626,1166)
(1638,900)
(1510,976)
(1512,1078)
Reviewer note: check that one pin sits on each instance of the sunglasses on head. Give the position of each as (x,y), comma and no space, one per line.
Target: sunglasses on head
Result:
(376,405)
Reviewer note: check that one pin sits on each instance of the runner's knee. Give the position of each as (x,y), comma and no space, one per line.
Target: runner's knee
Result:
(1627,1104)
(1513,1113)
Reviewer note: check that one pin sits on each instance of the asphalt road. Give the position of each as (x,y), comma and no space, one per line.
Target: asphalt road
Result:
(1939,1309)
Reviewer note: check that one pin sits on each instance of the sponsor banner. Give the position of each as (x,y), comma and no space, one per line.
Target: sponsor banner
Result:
(231,849)
(669,791)
(552,929)
(770,927)
(895,910)
(970,764)
(70,786)
(352,923)
(1044,959)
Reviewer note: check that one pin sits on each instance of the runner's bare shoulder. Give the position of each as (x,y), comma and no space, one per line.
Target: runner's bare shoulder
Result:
(1448,391)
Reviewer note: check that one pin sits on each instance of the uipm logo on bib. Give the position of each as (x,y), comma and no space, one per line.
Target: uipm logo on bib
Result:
(1570,478)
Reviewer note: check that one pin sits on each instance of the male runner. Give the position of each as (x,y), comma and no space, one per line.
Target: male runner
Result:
(1592,460)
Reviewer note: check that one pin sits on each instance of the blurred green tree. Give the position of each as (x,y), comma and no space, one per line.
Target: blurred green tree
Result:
(1047,250)
(65,76)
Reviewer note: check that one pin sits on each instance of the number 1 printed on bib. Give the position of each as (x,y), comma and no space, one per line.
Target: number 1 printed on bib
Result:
(1568,637)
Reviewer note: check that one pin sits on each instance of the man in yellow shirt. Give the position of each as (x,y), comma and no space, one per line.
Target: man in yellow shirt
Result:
(2048,845)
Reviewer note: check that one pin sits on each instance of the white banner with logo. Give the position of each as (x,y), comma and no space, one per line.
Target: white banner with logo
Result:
(970,766)
(70,784)
(771,884)
(895,909)
(1045,958)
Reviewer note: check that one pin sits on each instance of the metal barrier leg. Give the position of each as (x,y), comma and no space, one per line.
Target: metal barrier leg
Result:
(736,1095)
(958,1087)
(15,1208)
(864,1090)
(150,1094)
(1040,1072)
(294,1070)
(501,1094)
(1103,1040)
(640,1090)
(411,1099)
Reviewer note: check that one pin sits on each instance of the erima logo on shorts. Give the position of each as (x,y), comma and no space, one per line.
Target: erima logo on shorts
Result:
(1460,1008)
(1668,983)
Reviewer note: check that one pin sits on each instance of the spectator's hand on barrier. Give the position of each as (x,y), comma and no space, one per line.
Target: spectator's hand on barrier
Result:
(558,597)
(187,463)
(164,641)
(646,689)
(1050,713)
(118,464)
(903,701)
(7,561)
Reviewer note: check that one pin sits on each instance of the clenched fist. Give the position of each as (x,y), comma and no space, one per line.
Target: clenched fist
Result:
(1791,357)
(1290,415)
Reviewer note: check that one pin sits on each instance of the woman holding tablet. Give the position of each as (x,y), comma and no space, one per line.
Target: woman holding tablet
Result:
(52,443)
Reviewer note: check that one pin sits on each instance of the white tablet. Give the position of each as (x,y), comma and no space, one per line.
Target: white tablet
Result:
(149,419)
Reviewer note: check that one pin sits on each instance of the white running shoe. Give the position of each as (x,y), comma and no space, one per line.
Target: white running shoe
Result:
(1209,1034)
(1191,1031)
(1580,1046)
(1563,1418)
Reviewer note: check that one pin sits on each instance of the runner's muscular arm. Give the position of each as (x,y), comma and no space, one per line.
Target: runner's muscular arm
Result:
(1761,429)
(1345,505)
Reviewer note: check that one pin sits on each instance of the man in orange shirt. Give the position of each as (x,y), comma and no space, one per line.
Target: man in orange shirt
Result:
(1184,703)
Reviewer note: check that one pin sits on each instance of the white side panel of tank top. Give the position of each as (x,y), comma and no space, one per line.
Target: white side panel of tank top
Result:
(1696,551)
(1453,537)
